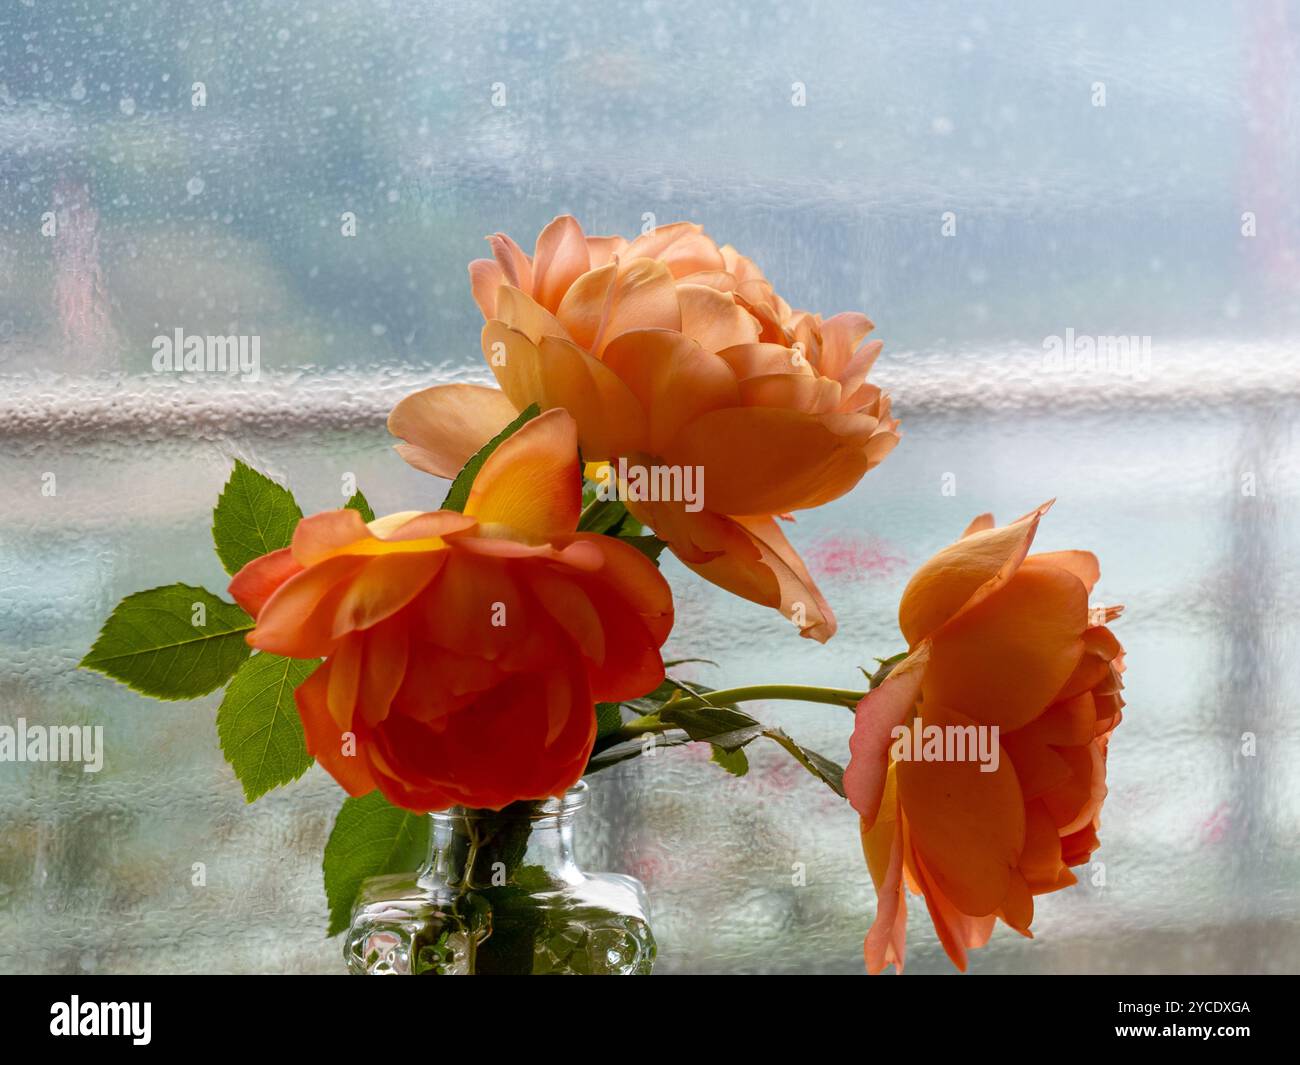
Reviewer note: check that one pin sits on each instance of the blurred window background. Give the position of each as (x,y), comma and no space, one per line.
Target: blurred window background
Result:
(986,181)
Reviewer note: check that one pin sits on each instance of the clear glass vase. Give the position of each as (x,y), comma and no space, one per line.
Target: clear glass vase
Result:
(501,894)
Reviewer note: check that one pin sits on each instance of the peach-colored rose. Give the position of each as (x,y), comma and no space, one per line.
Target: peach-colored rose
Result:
(671,351)
(997,637)
(464,652)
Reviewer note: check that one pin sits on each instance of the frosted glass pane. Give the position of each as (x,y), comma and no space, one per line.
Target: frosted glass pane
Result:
(1067,219)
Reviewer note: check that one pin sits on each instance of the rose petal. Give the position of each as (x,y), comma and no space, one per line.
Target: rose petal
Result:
(258,580)
(682,246)
(968,825)
(748,556)
(607,302)
(881,711)
(1083,564)
(1003,660)
(445,425)
(560,258)
(713,319)
(325,738)
(673,380)
(882,845)
(532,482)
(765,460)
(960,575)
(485,277)
(382,587)
(559,374)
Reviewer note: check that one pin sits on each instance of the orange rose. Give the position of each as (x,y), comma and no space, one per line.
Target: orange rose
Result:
(1000,638)
(463,652)
(672,352)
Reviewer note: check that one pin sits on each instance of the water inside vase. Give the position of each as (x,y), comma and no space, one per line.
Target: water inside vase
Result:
(501,894)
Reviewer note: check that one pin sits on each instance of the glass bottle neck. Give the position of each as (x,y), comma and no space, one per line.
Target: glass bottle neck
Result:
(525,844)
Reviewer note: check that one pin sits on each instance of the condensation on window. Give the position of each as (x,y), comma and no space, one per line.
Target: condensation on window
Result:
(1075,229)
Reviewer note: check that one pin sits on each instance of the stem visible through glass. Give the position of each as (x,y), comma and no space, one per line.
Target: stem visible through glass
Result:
(488,892)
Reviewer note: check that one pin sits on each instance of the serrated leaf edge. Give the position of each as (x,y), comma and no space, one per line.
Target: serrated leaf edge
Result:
(94,667)
(249,797)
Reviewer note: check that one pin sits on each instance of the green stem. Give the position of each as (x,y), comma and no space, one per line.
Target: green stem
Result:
(497,842)
(843,697)
(799,692)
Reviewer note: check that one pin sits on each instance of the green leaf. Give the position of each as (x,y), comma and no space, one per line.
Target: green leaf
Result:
(370,837)
(829,773)
(150,642)
(603,516)
(721,726)
(609,718)
(258,725)
(610,748)
(458,493)
(359,504)
(650,546)
(646,705)
(626,750)
(876,679)
(734,762)
(253,517)
(728,730)
(725,727)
